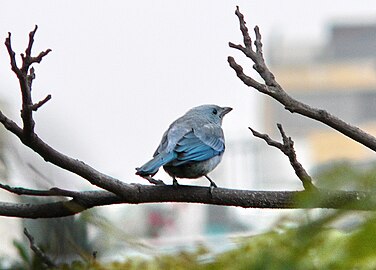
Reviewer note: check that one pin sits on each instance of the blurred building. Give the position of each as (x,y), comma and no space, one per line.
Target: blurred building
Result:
(339,77)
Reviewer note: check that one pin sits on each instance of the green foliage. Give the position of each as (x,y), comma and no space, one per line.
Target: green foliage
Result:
(26,260)
(347,176)
(309,246)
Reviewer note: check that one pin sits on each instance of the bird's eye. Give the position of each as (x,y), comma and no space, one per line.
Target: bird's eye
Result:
(215,111)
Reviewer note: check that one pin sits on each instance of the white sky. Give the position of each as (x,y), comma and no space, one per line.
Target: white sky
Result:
(121,71)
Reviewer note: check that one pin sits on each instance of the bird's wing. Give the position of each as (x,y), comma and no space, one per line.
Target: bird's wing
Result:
(163,145)
(211,135)
(173,134)
(199,144)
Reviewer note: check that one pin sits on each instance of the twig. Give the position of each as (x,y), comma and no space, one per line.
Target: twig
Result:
(287,147)
(45,259)
(244,29)
(27,59)
(25,79)
(36,106)
(45,193)
(273,89)
(12,56)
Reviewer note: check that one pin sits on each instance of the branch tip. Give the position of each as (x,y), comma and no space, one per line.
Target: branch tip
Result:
(31,41)
(281,131)
(257,31)
(36,106)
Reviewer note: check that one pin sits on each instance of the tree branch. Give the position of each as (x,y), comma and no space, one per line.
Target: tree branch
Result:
(288,149)
(27,59)
(30,138)
(36,106)
(273,89)
(139,194)
(25,80)
(44,193)
(73,165)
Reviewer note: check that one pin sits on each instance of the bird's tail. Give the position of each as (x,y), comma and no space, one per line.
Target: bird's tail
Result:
(151,167)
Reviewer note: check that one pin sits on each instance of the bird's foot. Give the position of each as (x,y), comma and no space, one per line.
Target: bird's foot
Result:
(154,181)
(211,188)
(175,182)
(212,185)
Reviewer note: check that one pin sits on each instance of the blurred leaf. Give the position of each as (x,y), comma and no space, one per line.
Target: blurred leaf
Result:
(361,245)
(347,176)
(23,251)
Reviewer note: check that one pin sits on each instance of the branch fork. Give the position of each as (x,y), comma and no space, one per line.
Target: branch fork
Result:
(287,148)
(271,88)
(26,75)
(26,134)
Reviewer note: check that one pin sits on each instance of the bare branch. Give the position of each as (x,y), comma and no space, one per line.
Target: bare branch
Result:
(36,106)
(30,139)
(137,194)
(45,193)
(43,256)
(27,59)
(249,81)
(73,165)
(273,89)
(25,80)
(31,42)
(258,43)
(266,138)
(288,149)
(238,47)
(246,38)
(12,55)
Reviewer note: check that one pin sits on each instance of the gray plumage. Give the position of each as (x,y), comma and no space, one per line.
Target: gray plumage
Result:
(192,146)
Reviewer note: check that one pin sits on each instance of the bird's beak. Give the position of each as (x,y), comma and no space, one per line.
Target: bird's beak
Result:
(225,110)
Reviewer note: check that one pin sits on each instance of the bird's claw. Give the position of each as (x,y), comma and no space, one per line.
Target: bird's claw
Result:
(211,188)
(175,182)
(154,181)
(212,185)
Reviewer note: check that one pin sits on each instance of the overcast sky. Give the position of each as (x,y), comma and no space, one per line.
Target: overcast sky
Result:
(121,71)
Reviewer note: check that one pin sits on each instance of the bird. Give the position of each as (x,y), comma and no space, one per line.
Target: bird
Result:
(191,147)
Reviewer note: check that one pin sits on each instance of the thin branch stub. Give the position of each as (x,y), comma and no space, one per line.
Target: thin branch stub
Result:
(38,252)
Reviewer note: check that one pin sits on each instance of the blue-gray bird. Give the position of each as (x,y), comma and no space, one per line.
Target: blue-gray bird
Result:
(191,147)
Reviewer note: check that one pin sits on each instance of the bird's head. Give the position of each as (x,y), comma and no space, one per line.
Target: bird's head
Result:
(214,113)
